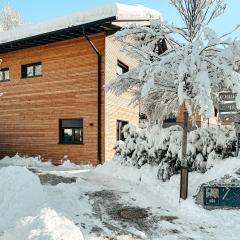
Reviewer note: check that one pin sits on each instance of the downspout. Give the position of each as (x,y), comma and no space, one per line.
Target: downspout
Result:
(99,58)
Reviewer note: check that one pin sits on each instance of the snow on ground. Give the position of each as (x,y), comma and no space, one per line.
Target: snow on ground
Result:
(23,209)
(24,161)
(34,162)
(92,204)
(194,222)
(48,224)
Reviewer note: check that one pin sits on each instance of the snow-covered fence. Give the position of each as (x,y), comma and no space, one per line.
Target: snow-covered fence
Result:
(162,147)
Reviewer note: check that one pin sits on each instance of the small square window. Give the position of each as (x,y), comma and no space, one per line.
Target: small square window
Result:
(71,131)
(32,70)
(122,68)
(4,74)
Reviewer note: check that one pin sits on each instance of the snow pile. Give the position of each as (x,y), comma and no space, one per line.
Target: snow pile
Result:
(24,161)
(169,191)
(67,164)
(23,209)
(47,225)
(21,195)
(147,174)
(162,148)
(35,162)
(121,12)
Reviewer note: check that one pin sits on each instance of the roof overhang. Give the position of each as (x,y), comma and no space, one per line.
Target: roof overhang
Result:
(103,25)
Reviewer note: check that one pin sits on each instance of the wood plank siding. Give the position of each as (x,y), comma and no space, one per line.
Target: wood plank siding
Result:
(117,107)
(30,108)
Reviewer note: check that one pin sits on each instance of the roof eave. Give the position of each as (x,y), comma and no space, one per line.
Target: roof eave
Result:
(102,25)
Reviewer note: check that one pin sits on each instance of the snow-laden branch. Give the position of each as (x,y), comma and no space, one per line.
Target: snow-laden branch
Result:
(170,70)
(9,18)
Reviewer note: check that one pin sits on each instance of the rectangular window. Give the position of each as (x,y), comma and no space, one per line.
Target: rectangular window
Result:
(121,68)
(32,70)
(4,74)
(120,126)
(71,131)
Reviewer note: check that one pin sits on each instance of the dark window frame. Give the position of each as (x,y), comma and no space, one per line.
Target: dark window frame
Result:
(122,66)
(61,132)
(3,70)
(120,135)
(24,68)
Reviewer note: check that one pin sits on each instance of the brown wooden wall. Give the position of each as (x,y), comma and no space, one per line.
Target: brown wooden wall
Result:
(30,108)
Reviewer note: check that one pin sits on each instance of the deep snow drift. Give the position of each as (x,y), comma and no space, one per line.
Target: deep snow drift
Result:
(47,225)
(35,162)
(23,209)
(21,195)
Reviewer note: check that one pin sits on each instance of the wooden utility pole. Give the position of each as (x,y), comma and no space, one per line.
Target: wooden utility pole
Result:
(184,167)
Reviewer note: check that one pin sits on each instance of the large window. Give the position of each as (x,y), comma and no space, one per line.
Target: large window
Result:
(32,70)
(4,74)
(120,126)
(71,131)
(121,68)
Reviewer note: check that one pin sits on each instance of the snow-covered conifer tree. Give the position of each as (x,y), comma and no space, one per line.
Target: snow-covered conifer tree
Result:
(175,64)
(9,18)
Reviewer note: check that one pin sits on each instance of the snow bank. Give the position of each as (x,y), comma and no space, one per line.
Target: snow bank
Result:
(24,161)
(35,162)
(47,225)
(147,174)
(122,12)
(69,165)
(23,209)
(169,191)
(21,195)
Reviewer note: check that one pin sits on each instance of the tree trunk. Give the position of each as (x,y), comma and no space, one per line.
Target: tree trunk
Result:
(184,167)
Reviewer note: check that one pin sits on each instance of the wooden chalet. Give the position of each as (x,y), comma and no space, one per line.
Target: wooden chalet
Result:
(52,78)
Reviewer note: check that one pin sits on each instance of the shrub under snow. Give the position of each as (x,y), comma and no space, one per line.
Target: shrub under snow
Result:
(162,147)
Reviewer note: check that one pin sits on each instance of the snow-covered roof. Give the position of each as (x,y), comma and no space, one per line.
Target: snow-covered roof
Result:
(121,12)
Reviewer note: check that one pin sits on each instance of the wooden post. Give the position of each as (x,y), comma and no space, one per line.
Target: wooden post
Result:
(237,126)
(184,167)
